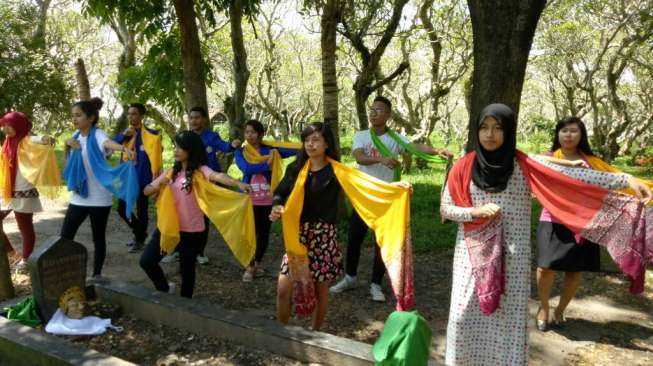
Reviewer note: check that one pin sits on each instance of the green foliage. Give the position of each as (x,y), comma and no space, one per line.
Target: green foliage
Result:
(147,17)
(158,78)
(31,79)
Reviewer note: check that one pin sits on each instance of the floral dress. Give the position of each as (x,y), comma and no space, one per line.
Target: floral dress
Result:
(501,338)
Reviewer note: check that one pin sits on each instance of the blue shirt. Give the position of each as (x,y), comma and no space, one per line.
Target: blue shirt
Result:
(213,143)
(249,169)
(143,166)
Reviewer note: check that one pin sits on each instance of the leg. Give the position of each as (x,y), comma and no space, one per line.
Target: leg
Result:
(545,279)
(122,212)
(569,288)
(262,224)
(99,217)
(378,268)
(75,216)
(284,291)
(26,226)
(149,262)
(357,232)
(204,238)
(187,256)
(322,295)
(142,219)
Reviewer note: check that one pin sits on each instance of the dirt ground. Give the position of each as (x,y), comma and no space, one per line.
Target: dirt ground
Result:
(606,325)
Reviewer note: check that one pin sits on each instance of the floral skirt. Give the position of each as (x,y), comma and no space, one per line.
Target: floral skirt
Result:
(324,255)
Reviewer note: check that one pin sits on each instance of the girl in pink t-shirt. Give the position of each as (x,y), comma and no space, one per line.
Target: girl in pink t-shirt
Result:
(190,155)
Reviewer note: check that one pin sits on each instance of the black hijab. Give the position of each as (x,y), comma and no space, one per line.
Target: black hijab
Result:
(492,169)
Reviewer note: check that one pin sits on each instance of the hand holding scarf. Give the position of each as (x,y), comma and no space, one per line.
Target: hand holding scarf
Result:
(614,220)
(152,146)
(406,146)
(121,181)
(597,164)
(253,156)
(385,208)
(231,212)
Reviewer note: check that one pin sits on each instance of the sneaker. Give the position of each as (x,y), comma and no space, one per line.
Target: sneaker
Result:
(136,247)
(172,288)
(347,283)
(248,276)
(174,257)
(21,266)
(202,259)
(131,243)
(377,293)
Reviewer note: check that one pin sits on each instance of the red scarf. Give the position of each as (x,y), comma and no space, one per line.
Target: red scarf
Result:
(19,122)
(607,218)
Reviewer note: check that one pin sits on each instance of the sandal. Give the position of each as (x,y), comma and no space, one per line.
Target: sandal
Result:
(559,322)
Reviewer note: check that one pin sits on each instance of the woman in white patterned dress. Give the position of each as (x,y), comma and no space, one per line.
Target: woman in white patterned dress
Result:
(498,188)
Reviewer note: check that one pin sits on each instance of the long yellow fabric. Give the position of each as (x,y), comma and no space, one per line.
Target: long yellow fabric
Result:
(153,149)
(385,208)
(253,156)
(600,165)
(38,165)
(231,213)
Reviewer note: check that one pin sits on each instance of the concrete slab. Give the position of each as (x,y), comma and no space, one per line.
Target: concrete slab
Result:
(214,321)
(24,346)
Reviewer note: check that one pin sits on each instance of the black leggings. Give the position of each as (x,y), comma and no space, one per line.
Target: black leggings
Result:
(204,238)
(75,216)
(139,221)
(262,224)
(357,231)
(188,250)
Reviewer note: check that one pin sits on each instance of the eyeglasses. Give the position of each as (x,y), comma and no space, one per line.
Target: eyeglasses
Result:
(376,110)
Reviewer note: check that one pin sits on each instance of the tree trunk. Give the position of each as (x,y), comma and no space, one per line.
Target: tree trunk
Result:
(328,23)
(38,37)
(503,34)
(83,86)
(236,110)
(6,287)
(363,87)
(127,38)
(191,56)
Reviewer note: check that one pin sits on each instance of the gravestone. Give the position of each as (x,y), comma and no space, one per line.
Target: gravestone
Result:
(58,265)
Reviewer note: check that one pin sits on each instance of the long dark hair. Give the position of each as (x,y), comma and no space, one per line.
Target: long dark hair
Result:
(583,144)
(91,108)
(191,143)
(327,134)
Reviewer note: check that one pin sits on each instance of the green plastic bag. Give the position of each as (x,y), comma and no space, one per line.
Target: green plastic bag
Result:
(405,341)
(24,313)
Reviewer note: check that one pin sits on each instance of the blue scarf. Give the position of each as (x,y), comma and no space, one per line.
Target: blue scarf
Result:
(121,181)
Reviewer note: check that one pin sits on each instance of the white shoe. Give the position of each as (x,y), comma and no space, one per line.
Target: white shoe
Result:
(172,288)
(21,266)
(170,258)
(202,259)
(377,293)
(347,283)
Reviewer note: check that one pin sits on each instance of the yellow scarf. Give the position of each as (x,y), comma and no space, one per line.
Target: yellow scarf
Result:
(152,146)
(38,165)
(600,165)
(253,156)
(231,213)
(385,208)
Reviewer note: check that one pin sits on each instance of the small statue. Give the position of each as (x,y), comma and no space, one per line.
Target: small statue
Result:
(73,302)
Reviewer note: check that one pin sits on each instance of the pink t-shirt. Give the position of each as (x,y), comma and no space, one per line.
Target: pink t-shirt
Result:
(191,217)
(260,191)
